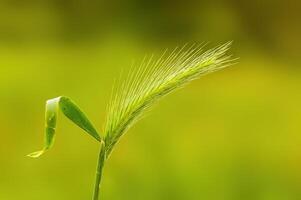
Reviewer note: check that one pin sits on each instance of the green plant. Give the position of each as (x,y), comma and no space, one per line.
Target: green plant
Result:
(144,86)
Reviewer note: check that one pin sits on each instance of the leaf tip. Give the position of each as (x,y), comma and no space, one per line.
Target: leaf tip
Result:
(36,154)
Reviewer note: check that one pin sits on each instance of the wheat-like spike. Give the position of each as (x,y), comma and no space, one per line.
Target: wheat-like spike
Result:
(155,79)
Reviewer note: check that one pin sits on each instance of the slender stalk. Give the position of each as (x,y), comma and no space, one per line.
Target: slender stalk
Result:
(100,164)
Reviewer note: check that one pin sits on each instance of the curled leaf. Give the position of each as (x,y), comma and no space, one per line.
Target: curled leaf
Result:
(71,111)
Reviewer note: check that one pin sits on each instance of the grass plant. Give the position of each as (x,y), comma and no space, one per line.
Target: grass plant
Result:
(135,94)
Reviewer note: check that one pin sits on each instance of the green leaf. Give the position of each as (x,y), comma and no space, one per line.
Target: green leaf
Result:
(71,111)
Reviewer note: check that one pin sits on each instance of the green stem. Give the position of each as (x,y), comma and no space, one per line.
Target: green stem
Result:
(100,164)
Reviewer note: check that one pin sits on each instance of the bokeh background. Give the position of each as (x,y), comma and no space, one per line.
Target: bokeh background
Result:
(232,135)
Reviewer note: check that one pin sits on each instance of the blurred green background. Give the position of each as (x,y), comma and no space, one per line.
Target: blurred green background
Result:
(232,135)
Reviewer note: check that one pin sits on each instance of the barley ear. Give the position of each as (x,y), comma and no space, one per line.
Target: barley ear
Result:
(155,78)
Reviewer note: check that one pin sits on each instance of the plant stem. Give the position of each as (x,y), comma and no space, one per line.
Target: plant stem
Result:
(100,164)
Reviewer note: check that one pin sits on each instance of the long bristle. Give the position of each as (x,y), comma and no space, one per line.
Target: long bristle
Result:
(154,79)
